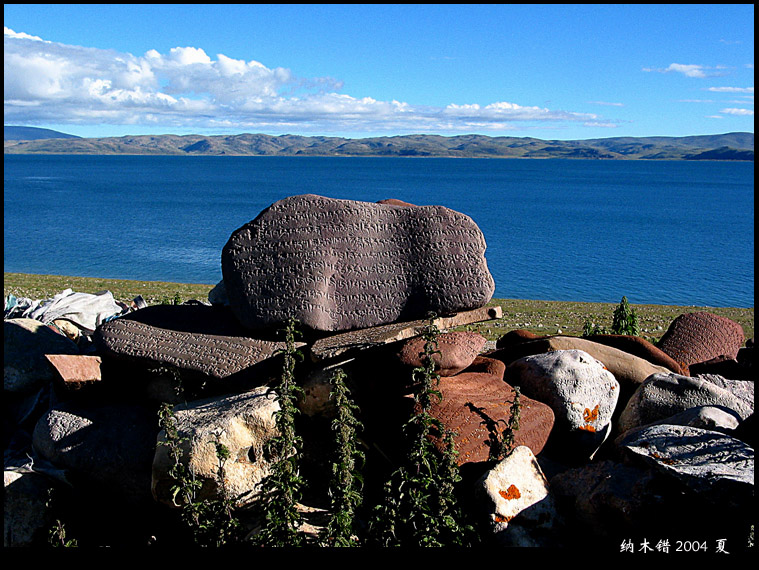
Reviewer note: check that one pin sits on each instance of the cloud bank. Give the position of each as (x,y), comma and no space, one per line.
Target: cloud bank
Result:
(52,83)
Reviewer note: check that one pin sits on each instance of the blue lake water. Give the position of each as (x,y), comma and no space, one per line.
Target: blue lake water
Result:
(659,232)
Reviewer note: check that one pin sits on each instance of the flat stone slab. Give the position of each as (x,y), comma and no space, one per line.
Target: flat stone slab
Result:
(184,342)
(75,370)
(338,265)
(340,344)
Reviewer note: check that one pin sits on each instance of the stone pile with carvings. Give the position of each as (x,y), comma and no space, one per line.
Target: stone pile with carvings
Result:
(619,441)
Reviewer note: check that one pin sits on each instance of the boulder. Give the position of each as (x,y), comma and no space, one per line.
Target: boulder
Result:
(27,519)
(704,417)
(316,397)
(579,389)
(244,423)
(629,370)
(697,337)
(664,395)
(25,344)
(719,468)
(639,347)
(477,398)
(337,265)
(605,498)
(104,446)
(515,499)
(454,352)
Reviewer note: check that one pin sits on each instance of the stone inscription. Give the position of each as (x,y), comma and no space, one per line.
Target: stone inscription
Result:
(213,355)
(339,265)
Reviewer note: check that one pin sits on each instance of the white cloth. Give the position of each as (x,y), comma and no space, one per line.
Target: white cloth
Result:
(85,310)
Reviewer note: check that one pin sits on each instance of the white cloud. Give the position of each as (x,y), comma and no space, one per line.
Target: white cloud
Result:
(741,112)
(10,33)
(48,82)
(690,70)
(731,89)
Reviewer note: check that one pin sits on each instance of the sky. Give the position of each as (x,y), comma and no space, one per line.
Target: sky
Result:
(554,72)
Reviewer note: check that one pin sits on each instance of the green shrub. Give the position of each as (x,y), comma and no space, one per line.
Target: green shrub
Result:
(347,482)
(625,320)
(282,488)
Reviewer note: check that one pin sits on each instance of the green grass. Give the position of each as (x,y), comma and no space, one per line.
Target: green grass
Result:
(541,317)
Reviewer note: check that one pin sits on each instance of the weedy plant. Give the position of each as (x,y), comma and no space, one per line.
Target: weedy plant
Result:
(500,444)
(624,321)
(420,506)
(57,533)
(346,483)
(282,488)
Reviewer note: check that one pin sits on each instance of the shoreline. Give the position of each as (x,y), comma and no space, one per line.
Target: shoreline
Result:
(537,316)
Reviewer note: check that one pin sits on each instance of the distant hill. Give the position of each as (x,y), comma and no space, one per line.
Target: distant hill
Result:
(32,134)
(730,146)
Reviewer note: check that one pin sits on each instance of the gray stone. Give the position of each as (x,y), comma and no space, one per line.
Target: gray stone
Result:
(705,417)
(579,389)
(27,519)
(664,395)
(716,466)
(605,498)
(110,446)
(629,370)
(197,338)
(337,265)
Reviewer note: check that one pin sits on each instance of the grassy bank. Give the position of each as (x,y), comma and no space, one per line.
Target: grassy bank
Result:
(542,317)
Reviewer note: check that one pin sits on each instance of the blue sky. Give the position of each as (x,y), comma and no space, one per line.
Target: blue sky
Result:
(545,71)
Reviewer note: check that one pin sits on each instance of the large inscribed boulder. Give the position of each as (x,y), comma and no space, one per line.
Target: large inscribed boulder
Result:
(339,265)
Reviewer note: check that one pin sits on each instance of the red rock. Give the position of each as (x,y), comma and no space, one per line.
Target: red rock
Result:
(455,351)
(699,337)
(75,369)
(481,386)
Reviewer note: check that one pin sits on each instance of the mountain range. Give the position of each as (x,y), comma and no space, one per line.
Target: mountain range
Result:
(729,146)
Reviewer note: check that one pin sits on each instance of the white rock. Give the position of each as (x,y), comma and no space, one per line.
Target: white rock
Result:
(517,486)
(243,423)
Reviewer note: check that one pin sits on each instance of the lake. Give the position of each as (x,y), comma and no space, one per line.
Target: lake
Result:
(659,232)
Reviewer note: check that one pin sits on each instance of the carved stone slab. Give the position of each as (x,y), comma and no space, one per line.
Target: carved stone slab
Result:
(339,344)
(150,335)
(338,265)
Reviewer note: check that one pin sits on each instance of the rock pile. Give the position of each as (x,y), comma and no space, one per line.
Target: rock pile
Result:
(616,442)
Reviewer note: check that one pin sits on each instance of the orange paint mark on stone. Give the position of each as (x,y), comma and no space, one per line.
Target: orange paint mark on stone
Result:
(591,415)
(511,493)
